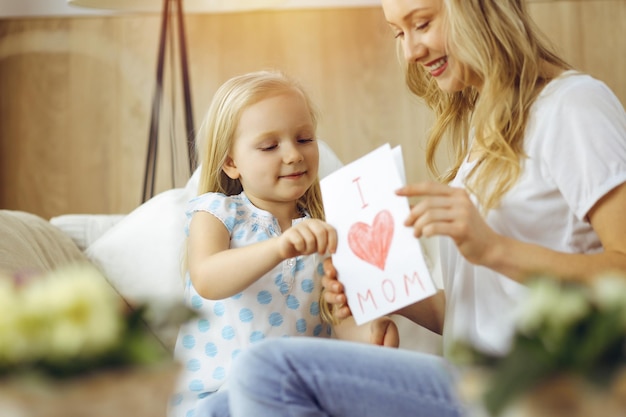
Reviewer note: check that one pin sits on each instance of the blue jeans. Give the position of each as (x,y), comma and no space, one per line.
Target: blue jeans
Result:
(310,377)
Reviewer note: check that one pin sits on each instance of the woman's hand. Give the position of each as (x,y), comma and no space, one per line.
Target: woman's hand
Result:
(449,211)
(334,293)
(307,237)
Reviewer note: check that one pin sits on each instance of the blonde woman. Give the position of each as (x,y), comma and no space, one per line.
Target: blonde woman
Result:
(256,237)
(538,185)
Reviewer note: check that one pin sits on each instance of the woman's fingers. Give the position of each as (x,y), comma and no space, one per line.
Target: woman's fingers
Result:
(439,211)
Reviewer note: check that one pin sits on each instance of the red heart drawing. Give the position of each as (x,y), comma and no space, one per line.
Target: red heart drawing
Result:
(371,243)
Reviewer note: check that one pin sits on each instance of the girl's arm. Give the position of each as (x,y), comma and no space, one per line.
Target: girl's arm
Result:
(217,271)
(448,211)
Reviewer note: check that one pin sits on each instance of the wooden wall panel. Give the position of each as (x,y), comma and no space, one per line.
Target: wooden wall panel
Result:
(76,92)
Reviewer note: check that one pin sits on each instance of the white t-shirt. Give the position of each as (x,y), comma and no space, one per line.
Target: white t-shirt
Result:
(576,146)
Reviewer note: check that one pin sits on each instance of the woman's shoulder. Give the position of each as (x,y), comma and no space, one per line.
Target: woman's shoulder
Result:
(573,86)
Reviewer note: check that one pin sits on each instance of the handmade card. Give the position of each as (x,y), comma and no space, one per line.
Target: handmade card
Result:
(378,260)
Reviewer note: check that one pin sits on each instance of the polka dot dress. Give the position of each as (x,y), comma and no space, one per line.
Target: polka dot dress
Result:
(284,302)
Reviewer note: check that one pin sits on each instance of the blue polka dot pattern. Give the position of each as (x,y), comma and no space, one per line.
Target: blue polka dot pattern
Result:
(196,302)
(203,395)
(299,264)
(219,309)
(301,326)
(292,302)
(230,223)
(237,296)
(276,319)
(214,205)
(264,297)
(308,285)
(210,349)
(193,365)
(196,385)
(318,330)
(189,341)
(284,288)
(320,269)
(245,315)
(203,325)
(278,279)
(256,337)
(315,308)
(228,332)
(219,373)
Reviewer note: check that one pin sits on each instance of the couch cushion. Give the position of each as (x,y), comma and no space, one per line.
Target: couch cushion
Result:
(29,243)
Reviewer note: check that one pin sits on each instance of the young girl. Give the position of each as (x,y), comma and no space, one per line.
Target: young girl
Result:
(256,236)
(538,185)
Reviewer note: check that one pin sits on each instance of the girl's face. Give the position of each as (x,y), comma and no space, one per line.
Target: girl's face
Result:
(274,154)
(420,27)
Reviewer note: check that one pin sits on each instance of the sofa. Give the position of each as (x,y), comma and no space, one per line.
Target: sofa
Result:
(139,253)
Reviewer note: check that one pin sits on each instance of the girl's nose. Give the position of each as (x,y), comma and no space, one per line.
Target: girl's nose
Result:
(291,154)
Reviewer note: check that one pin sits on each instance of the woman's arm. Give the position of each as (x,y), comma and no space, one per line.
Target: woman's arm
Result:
(448,211)
(428,313)
(382,331)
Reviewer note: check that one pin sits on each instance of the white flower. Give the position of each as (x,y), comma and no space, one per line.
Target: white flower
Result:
(609,292)
(69,313)
(551,310)
(79,310)
(537,306)
(9,312)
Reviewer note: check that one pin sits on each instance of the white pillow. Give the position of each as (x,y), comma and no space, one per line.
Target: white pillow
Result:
(142,254)
(85,228)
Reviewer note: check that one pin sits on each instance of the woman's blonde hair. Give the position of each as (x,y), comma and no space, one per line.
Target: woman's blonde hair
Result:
(498,43)
(216,135)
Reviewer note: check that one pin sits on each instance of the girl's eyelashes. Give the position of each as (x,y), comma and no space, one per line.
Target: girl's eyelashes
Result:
(269,146)
(266,148)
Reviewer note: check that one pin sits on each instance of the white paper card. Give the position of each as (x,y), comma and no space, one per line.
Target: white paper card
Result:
(378,260)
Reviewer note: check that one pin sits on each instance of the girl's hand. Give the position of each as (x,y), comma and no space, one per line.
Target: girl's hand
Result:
(449,211)
(384,332)
(334,291)
(307,237)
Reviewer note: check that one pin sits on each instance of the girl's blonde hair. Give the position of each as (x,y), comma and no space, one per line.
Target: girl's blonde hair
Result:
(216,137)
(499,44)
(217,132)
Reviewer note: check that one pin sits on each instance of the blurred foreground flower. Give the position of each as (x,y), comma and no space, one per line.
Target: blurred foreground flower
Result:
(70,321)
(563,329)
